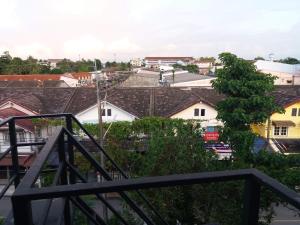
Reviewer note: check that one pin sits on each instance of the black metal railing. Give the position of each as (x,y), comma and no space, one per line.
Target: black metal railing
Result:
(70,120)
(69,185)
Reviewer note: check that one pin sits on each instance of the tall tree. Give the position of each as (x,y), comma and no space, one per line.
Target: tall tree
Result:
(247,102)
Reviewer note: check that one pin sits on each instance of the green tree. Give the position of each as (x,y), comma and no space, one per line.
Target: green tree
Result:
(247,101)
(259,58)
(290,60)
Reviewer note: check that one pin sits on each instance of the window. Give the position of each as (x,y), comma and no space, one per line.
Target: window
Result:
(6,137)
(277,131)
(196,112)
(202,112)
(299,112)
(294,111)
(281,131)
(21,136)
(108,112)
(103,112)
(211,129)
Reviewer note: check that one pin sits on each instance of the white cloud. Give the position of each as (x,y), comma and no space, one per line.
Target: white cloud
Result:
(123,45)
(35,49)
(85,46)
(170,47)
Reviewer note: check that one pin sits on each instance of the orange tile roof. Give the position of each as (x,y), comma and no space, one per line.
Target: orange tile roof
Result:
(41,77)
(81,74)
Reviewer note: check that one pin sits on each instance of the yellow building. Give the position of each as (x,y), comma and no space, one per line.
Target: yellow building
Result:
(285,125)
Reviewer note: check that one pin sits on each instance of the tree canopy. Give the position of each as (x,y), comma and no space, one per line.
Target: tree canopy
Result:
(290,60)
(248,100)
(16,65)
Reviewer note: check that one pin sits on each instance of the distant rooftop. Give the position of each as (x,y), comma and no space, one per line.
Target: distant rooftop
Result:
(169,58)
(277,67)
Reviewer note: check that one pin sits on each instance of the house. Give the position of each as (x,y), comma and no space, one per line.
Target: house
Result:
(25,132)
(136,62)
(282,128)
(53,62)
(286,74)
(156,62)
(200,106)
(205,65)
(110,113)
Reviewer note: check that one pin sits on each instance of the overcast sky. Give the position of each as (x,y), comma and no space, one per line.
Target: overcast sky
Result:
(124,29)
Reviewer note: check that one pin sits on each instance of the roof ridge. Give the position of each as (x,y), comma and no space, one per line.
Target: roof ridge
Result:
(70,99)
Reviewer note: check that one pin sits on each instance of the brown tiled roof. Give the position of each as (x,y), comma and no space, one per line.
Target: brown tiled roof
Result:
(133,100)
(82,99)
(39,100)
(166,101)
(288,89)
(8,112)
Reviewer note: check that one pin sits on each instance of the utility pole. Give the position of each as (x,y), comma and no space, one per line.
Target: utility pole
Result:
(102,159)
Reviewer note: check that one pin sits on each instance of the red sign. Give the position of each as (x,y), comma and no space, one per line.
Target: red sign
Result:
(211,136)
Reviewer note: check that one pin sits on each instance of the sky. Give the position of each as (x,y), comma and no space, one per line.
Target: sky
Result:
(124,29)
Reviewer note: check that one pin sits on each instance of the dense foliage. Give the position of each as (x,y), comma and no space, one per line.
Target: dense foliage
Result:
(16,65)
(290,60)
(158,146)
(190,68)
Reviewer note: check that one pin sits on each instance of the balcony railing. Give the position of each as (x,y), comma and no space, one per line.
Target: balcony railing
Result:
(69,185)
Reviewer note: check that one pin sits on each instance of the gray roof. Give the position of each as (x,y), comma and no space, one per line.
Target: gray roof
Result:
(186,77)
(152,80)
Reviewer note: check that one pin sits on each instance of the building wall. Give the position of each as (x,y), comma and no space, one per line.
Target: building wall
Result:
(293,132)
(69,81)
(283,78)
(91,115)
(208,120)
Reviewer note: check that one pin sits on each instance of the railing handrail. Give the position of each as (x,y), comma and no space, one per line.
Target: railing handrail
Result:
(25,190)
(7,120)
(161,181)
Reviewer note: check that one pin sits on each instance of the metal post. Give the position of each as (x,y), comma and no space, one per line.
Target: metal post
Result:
(251,202)
(64,178)
(14,151)
(21,211)
(70,147)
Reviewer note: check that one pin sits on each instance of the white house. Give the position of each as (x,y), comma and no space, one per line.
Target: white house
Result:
(202,111)
(110,113)
(156,62)
(24,128)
